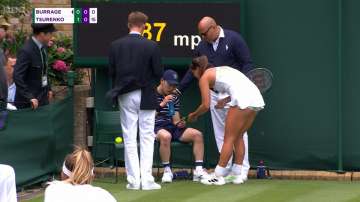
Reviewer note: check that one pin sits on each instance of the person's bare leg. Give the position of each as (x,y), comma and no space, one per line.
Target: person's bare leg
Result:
(194,136)
(239,150)
(164,137)
(235,122)
(239,142)
(237,166)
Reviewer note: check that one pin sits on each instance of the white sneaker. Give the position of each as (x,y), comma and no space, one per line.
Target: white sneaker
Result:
(133,186)
(167,177)
(150,186)
(229,178)
(199,175)
(10,107)
(235,179)
(206,181)
(238,179)
(244,178)
(227,172)
(214,181)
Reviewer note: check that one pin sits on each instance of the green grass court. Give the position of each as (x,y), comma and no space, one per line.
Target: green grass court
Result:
(252,190)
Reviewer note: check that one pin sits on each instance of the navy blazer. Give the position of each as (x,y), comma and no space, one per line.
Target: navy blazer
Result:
(3,82)
(135,63)
(28,71)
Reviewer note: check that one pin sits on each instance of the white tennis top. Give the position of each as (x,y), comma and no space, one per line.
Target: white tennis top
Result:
(242,90)
(59,191)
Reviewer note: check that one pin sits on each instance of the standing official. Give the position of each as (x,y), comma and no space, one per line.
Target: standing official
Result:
(135,69)
(223,48)
(3,81)
(3,89)
(30,71)
(9,68)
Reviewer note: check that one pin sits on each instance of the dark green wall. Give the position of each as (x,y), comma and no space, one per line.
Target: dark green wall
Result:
(297,40)
(350,85)
(313,101)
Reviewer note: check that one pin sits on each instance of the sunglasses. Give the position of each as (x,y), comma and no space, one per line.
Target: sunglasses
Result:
(206,32)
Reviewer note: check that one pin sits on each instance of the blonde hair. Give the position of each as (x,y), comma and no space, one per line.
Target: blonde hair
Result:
(81,165)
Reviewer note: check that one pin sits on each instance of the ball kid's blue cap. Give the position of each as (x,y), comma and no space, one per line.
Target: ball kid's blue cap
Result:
(171,77)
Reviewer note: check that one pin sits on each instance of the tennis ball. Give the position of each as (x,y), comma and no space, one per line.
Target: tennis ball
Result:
(118,140)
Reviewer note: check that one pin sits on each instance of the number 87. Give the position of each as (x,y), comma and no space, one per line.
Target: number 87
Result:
(148,27)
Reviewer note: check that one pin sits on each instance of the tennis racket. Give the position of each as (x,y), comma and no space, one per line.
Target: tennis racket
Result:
(262,78)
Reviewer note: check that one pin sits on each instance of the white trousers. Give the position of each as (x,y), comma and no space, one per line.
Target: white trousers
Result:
(132,118)
(7,184)
(218,117)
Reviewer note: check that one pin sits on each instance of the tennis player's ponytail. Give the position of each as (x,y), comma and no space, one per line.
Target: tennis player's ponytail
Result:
(79,167)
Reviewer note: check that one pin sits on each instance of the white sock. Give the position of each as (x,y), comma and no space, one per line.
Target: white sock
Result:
(198,168)
(199,165)
(167,169)
(229,165)
(236,169)
(220,171)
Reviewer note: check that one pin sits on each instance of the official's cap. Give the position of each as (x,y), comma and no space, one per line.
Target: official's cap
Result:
(43,27)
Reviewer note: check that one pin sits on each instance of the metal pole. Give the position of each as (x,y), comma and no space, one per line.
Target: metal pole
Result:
(243,18)
(70,81)
(340,135)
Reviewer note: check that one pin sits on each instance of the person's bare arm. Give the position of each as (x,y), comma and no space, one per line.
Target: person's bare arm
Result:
(205,99)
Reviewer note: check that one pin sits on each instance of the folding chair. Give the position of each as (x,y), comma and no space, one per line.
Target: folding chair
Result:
(107,128)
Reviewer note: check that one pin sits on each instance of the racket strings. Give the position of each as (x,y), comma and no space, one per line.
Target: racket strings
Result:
(262,78)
